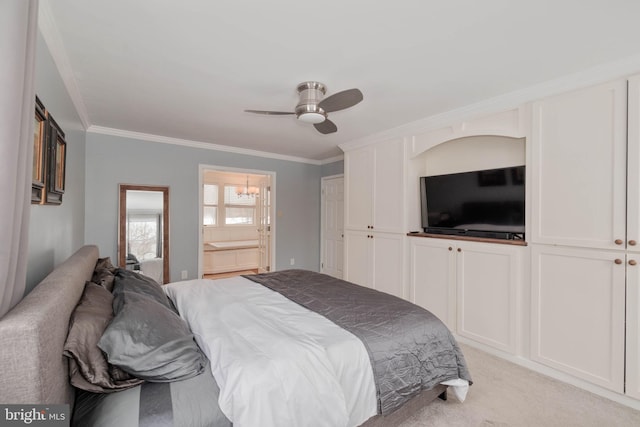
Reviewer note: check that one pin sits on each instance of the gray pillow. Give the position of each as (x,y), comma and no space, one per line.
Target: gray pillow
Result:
(105,263)
(88,366)
(103,277)
(128,284)
(151,341)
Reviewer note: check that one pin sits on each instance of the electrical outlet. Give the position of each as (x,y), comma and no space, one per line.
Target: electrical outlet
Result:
(185,274)
(292,261)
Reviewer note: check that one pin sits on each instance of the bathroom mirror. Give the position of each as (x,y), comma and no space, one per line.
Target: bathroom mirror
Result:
(143,230)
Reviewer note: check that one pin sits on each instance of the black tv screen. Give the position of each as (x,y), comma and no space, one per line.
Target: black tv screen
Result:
(484,203)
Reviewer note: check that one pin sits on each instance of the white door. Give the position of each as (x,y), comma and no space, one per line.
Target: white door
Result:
(633,237)
(387,263)
(388,187)
(332,226)
(633,326)
(488,279)
(578,312)
(358,166)
(579,166)
(359,253)
(263,211)
(633,165)
(433,277)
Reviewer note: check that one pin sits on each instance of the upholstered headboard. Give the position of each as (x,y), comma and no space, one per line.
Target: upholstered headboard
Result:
(32,335)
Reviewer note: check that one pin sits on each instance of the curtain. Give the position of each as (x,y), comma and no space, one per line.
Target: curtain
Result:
(18,32)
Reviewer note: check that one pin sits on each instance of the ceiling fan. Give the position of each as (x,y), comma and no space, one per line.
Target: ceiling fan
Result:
(313,109)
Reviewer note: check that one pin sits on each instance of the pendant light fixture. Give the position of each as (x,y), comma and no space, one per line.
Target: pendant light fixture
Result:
(247,191)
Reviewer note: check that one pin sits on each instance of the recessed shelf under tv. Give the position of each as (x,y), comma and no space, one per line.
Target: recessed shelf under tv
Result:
(470,239)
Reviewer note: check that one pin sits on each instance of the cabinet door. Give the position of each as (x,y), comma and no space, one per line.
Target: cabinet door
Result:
(488,279)
(358,167)
(358,258)
(577,313)
(207,260)
(633,165)
(579,167)
(633,326)
(433,277)
(388,193)
(388,263)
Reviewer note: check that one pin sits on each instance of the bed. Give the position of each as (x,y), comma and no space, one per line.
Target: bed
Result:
(34,339)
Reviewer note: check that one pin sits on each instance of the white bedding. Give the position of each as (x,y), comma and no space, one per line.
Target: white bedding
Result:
(282,365)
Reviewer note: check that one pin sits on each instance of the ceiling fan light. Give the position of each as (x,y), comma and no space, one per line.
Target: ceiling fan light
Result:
(312,117)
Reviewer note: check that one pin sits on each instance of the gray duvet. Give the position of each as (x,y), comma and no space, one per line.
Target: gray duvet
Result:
(410,349)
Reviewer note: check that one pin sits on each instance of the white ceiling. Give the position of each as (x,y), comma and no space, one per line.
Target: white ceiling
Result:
(187,69)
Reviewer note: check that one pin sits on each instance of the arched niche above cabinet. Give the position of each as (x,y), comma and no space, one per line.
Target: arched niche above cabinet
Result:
(511,123)
(472,153)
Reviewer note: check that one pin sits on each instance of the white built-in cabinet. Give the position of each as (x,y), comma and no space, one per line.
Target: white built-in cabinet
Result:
(578,315)
(632,385)
(433,277)
(632,260)
(221,261)
(579,167)
(473,287)
(374,226)
(584,233)
(374,187)
(570,300)
(375,260)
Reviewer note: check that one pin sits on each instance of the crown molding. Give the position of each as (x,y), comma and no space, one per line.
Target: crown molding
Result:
(51,35)
(198,144)
(332,159)
(591,76)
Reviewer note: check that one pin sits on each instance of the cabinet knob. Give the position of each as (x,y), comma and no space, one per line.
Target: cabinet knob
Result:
(618,261)
(632,242)
(632,262)
(459,250)
(450,248)
(618,242)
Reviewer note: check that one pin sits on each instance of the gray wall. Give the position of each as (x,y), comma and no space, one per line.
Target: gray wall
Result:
(112,160)
(55,232)
(335,168)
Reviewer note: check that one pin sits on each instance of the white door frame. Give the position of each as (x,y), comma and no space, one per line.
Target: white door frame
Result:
(322,213)
(201,169)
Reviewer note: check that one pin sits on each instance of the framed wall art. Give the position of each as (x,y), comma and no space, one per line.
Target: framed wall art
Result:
(39,153)
(56,164)
(49,158)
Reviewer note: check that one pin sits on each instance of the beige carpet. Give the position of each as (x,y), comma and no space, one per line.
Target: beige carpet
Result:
(505,394)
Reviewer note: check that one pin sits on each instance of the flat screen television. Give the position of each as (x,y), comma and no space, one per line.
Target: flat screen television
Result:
(482,203)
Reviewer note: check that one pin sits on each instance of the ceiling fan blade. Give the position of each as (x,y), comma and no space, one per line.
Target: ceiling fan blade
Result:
(341,100)
(326,127)
(270,113)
